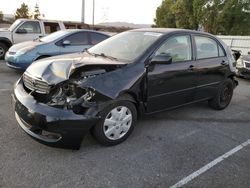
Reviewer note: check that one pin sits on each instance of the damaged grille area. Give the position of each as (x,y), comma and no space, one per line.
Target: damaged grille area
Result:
(35,84)
(247,63)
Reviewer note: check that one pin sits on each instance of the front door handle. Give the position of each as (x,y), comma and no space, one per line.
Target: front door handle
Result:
(191,67)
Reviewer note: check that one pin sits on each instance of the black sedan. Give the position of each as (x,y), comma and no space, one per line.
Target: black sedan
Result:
(106,88)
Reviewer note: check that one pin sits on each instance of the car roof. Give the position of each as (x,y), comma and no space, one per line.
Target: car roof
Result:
(88,30)
(170,30)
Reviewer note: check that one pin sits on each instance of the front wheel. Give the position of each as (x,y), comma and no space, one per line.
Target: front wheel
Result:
(223,96)
(3,50)
(117,123)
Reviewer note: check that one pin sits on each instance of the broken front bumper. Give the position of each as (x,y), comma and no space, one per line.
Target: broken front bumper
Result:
(244,72)
(48,125)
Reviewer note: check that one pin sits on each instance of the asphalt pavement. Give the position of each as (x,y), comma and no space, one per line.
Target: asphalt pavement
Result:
(164,149)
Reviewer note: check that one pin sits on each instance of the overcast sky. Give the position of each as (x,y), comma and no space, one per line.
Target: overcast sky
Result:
(134,11)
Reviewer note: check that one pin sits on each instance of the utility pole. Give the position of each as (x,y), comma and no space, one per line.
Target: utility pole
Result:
(83,11)
(93,18)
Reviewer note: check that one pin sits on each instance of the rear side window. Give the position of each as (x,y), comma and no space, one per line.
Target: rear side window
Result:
(31,27)
(51,27)
(207,48)
(96,38)
(178,47)
(80,38)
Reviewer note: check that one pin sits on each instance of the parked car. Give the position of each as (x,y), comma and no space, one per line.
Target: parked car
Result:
(106,88)
(21,55)
(25,30)
(243,66)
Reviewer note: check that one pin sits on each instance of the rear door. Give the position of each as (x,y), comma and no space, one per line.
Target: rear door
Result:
(171,85)
(212,65)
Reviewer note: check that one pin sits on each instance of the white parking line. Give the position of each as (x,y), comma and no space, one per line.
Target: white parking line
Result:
(5,90)
(210,165)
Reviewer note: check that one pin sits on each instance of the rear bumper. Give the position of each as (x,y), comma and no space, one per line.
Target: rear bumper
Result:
(50,126)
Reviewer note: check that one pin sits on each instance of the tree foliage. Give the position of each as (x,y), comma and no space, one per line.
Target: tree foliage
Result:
(37,13)
(22,12)
(230,17)
(1,16)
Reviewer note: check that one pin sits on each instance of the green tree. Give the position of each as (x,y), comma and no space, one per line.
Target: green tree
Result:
(210,16)
(164,16)
(1,16)
(22,12)
(235,17)
(37,13)
(231,17)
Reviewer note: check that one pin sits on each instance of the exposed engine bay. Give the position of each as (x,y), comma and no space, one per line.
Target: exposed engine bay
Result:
(69,94)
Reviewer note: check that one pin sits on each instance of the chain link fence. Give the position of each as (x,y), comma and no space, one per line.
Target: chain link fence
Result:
(241,43)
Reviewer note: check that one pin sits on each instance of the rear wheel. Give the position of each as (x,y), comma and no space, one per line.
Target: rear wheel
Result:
(117,123)
(223,96)
(3,50)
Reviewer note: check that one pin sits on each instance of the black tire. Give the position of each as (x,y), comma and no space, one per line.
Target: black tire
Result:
(3,50)
(98,130)
(223,96)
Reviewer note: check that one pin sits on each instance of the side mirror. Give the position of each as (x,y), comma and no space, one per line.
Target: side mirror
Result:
(161,59)
(66,43)
(248,53)
(21,31)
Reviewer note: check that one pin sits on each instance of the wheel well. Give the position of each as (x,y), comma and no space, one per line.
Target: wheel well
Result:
(231,77)
(42,57)
(132,98)
(6,42)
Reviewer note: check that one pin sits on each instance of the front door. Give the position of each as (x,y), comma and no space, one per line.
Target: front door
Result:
(78,42)
(172,85)
(27,31)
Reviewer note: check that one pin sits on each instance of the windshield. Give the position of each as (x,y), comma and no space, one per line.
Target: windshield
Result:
(54,36)
(14,25)
(126,46)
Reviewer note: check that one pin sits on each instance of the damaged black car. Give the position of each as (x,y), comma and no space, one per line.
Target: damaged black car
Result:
(106,88)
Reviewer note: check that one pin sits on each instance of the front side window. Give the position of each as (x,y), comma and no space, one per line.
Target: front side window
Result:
(207,48)
(178,47)
(31,27)
(80,38)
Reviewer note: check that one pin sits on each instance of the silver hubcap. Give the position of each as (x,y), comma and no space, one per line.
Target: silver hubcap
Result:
(117,123)
(1,51)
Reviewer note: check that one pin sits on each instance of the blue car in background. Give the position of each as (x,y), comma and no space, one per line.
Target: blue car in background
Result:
(21,55)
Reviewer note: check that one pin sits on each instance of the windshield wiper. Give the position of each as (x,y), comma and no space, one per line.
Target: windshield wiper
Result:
(105,56)
(101,55)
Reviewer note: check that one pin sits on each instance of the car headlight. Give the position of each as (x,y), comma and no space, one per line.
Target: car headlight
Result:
(240,63)
(25,50)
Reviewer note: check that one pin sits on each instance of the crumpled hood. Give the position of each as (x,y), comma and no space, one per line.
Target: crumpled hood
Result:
(57,69)
(22,45)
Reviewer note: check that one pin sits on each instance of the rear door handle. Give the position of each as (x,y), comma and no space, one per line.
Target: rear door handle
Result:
(223,62)
(191,67)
